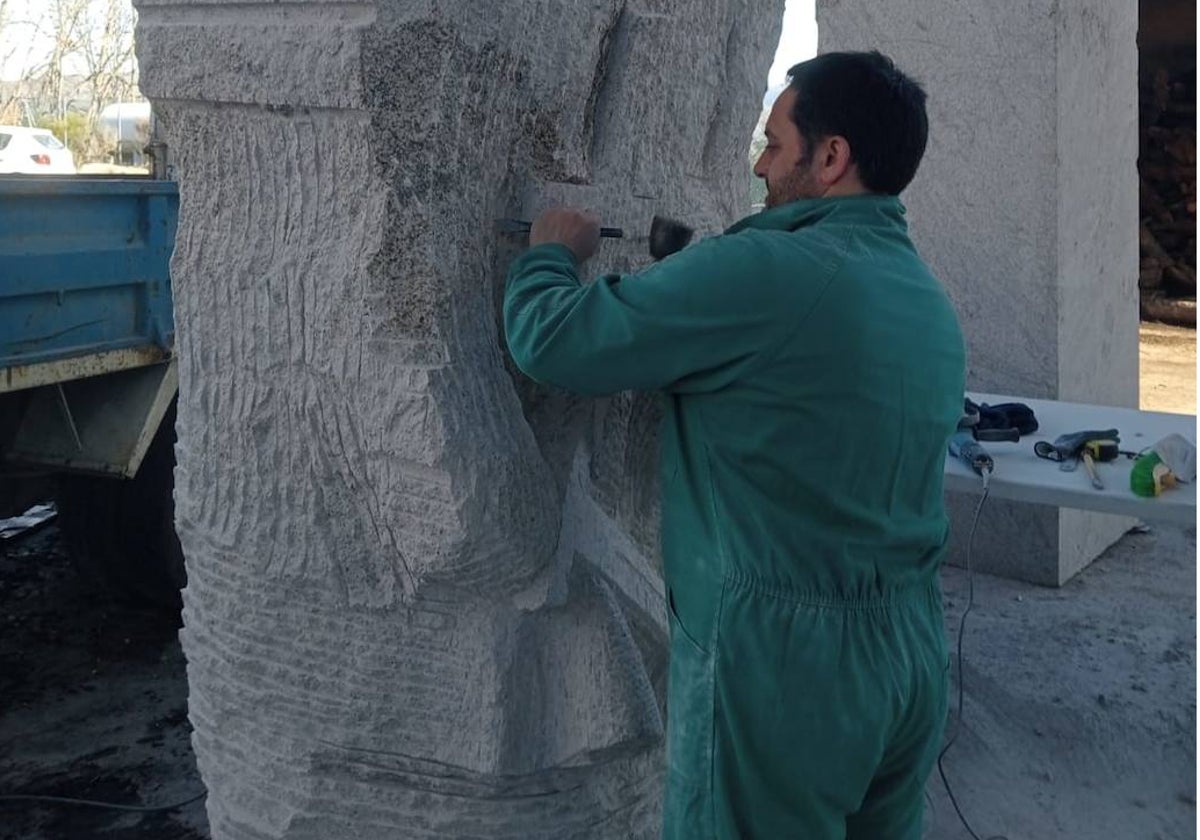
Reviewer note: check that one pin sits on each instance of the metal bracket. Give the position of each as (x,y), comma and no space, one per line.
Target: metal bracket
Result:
(66,410)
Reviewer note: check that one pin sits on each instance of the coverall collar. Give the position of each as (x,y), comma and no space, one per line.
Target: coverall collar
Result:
(866,209)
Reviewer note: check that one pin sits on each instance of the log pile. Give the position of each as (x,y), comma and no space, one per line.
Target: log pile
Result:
(1167,171)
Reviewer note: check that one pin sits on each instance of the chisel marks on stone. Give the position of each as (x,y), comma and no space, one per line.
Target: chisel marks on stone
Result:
(238,12)
(612,49)
(360,495)
(297,53)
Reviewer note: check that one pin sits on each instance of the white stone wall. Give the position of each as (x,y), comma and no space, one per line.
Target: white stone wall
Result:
(423,596)
(1026,207)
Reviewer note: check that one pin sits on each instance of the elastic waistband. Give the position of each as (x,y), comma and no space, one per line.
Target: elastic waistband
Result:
(917,593)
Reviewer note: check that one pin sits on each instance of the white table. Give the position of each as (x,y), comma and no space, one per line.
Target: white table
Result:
(1022,476)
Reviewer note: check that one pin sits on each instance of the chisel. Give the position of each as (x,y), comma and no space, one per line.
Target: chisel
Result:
(522,226)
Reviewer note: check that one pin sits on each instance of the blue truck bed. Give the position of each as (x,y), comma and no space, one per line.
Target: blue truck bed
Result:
(84,276)
(88,375)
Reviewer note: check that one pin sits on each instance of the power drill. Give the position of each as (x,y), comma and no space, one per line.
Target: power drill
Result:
(967,449)
(1005,422)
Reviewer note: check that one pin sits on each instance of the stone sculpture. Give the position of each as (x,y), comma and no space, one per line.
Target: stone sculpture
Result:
(424,596)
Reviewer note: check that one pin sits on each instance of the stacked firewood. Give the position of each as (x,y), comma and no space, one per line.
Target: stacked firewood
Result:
(1167,168)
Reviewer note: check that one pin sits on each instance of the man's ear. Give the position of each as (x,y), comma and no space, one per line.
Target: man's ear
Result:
(835,159)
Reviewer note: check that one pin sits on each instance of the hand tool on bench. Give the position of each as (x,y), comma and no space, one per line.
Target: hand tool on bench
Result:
(1072,448)
(1098,451)
(1006,422)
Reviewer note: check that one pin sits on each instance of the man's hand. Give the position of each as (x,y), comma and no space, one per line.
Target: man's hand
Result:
(576,229)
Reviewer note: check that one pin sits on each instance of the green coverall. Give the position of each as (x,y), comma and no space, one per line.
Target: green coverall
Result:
(813,371)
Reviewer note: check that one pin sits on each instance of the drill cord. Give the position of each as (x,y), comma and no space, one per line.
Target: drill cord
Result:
(962,624)
(91,803)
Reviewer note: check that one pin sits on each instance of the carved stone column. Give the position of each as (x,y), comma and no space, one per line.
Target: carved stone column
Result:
(424,595)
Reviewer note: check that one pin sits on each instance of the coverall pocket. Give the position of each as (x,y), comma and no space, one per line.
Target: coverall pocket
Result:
(687,808)
(677,625)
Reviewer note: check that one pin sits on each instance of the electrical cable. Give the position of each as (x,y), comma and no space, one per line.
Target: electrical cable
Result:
(66,800)
(962,623)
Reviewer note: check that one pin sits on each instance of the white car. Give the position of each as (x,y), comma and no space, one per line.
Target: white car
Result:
(33,151)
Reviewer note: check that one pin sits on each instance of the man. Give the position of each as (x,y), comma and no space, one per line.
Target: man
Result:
(813,372)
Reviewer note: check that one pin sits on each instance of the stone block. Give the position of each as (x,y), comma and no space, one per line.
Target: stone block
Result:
(1026,206)
(424,596)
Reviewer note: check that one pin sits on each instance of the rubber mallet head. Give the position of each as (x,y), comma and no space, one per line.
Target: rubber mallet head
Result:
(668,236)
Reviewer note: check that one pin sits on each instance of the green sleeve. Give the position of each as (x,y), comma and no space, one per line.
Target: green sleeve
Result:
(694,322)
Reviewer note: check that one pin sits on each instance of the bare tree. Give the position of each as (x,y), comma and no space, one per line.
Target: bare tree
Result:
(88,64)
(11,48)
(13,38)
(64,22)
(108,54)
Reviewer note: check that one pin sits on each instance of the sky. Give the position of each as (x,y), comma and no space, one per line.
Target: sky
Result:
(22,47)
(797,42)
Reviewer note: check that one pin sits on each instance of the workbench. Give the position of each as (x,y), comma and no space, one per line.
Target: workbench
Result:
(1022,476)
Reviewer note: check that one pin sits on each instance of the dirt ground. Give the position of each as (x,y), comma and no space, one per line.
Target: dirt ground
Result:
(1080,716)
(1168,368)
(93,705)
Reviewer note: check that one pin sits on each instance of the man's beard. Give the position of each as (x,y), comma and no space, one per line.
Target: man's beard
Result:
(797,184)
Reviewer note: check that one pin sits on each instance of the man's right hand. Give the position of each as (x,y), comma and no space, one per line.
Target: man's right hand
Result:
(578,230)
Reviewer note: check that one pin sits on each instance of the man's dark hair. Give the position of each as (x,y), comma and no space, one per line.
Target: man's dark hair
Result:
(863,97)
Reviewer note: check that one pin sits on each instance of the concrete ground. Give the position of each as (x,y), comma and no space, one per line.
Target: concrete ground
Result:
(1079,717)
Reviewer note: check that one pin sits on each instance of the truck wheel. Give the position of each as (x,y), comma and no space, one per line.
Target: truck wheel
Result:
(121,532)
